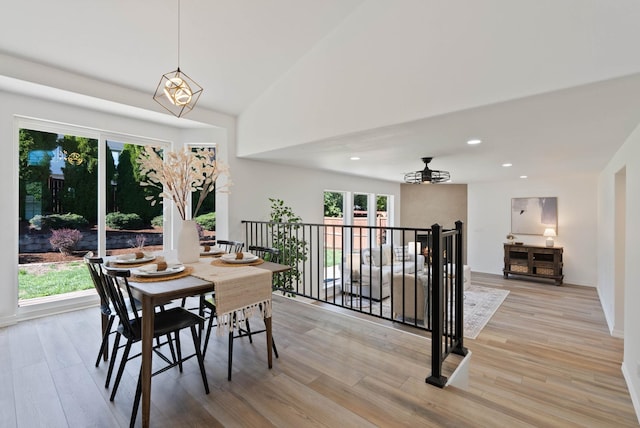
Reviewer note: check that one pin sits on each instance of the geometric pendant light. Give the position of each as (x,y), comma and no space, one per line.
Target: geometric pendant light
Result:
(177,92)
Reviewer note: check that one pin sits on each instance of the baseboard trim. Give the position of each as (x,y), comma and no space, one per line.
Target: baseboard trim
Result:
(632,392)
(45,306)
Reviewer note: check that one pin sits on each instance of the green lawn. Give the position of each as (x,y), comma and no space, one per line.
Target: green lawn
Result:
(55,278)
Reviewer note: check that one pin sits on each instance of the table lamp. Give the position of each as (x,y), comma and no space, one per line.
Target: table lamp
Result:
(550,233)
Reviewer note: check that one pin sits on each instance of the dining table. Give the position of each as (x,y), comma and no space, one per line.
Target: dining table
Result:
(162,291)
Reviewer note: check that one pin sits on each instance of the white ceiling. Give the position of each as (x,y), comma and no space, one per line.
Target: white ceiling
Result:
(238,50)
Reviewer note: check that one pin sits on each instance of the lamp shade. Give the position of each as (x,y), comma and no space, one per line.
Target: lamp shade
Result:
(549,233)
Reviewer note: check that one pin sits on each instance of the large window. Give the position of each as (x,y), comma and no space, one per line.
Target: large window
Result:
(78,191)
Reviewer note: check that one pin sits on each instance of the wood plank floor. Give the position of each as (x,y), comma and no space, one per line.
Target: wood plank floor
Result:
(545,359)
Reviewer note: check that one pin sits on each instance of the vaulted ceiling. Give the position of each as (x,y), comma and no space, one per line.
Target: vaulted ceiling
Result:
(551,86)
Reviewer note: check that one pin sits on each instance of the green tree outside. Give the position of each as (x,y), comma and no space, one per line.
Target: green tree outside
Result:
(333,203)
(79,195)
(33,178)
(130,196)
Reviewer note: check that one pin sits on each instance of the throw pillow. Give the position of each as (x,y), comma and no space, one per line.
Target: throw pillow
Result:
(366,256)
(402,253)
(377,257)
(381,256)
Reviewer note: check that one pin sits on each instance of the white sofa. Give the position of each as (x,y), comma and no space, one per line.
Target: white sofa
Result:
(368,273)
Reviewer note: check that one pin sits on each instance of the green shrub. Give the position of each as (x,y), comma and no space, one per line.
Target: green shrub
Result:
(36,222)
(157,221)
(207,221)
(59,221)
(119,220)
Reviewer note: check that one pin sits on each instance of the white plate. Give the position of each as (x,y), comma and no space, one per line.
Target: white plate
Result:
(169,271)
(246,258)
(134,261)
(212,251)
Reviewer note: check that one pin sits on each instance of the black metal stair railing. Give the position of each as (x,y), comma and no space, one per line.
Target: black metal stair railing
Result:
(410,276)
(447,334)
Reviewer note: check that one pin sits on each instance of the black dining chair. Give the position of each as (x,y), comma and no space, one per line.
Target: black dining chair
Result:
(167,322)
(94,264)
(267,254)
(230,246)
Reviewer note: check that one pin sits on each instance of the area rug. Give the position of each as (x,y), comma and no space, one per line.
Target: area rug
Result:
(480,303)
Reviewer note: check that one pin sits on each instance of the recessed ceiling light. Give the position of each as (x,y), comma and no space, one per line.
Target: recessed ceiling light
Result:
(354,158)
(474,142)
(506,165)
(523,176)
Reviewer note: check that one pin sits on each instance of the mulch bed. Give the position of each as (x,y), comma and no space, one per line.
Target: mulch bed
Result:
(56,257)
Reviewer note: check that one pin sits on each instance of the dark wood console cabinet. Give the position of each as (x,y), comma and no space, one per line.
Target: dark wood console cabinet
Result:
(530,260)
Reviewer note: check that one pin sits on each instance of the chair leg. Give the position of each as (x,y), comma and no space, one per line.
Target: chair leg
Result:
(230,353)
(105,341)
(171,348)
(273,345)
(123,362)
(196,344)
(179,350)
(246,321)
(136,401)
(206,338)
(114,352)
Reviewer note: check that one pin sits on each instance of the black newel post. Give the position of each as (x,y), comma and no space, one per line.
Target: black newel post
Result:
(436,377)
(459,294)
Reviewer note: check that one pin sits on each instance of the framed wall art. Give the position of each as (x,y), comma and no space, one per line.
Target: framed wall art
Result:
(531,216)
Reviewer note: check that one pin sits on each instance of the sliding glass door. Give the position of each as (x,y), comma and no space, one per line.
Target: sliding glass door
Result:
(58,194)
(79,191)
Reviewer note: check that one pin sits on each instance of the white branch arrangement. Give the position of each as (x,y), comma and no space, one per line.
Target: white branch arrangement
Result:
(181,173)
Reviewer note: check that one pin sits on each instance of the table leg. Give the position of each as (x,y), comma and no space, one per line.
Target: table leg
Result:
(148,316)
(267,323)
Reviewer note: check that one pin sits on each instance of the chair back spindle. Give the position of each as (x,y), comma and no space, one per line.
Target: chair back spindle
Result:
(117,284)
(230,246)
(268,254)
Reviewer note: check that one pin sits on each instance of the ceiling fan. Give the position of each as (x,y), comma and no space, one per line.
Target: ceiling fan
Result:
(427,175)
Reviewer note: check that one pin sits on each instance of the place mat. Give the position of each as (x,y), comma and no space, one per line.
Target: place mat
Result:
(188,270)
(220,262)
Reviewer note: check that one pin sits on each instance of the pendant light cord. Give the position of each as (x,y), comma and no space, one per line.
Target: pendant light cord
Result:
(178,34)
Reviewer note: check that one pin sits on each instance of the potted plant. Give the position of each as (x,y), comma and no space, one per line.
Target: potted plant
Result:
(178,175)
(293,249)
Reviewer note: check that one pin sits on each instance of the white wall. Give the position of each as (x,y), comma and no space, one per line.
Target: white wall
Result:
(489,221)
(301,189)
(627,161)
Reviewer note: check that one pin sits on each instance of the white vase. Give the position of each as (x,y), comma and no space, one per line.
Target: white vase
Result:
(188,242)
